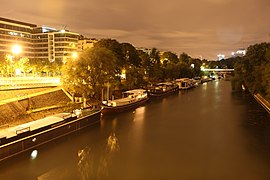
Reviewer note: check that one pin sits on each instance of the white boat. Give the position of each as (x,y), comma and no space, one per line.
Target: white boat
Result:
(132,99)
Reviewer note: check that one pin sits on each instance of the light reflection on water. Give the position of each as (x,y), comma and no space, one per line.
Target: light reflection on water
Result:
(91,167)
(139,114)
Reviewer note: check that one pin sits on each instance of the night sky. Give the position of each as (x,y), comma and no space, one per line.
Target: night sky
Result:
(201,28)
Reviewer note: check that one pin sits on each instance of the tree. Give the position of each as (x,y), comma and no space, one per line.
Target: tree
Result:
(155,69)
(172,71)
(131,55)
(196,69)
(214,64)
(266,80)
(257,60)
(154,56)
(184,57)
(89,73)
(229,63)
(116,48)
(184,70)
(134,78)
(3,63)
(253,69)
(146,62)
(170,57)
(23,64)
(133,67)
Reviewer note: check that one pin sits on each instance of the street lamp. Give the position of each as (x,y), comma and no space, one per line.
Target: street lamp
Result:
(16,49)
(74,55)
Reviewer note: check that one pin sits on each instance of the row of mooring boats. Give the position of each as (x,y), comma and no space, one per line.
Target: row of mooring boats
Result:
(24,137)
(136,97)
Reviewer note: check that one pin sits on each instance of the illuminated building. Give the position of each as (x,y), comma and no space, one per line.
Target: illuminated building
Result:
(239,53)
(40,43)
(15,32)
(54,45)
(85,43)
(146,50)
(221,56)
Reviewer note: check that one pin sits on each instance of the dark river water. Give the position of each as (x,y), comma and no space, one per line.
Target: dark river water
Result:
(208,133)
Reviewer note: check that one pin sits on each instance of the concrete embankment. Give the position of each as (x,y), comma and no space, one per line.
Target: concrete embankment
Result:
(33,106)
(263,102)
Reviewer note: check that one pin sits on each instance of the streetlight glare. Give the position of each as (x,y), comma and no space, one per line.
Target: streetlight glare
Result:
(74,55)
(16,49)
(18,72)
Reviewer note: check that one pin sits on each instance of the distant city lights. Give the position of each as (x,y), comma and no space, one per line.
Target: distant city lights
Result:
(239,53)
(221,56)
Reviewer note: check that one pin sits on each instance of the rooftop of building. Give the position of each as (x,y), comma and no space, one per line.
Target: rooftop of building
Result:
(17,22)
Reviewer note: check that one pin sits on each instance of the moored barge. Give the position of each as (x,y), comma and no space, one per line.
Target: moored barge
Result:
(131,100)
(18,139)
(162,89)
(185,83)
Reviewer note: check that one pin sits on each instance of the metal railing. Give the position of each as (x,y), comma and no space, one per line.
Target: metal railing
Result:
(9,83)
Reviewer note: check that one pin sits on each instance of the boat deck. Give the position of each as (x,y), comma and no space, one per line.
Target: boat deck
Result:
(30,126)
(122,101)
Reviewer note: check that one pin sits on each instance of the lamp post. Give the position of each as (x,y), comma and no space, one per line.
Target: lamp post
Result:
(16,50)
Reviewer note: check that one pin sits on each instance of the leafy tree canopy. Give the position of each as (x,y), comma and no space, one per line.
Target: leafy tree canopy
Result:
(114,46)
(131,55)
(89,73)
(170,57)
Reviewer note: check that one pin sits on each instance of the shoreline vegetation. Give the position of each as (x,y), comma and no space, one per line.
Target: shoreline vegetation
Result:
(252,72)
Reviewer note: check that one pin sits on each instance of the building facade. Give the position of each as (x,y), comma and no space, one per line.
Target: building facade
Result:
(16,33)
(39,43)
(85,43)
(146,50)
(239,53)
(54,45)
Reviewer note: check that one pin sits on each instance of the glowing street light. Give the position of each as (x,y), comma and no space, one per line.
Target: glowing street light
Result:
(123,75)
(74,55)
(202,68)
(18,72)
(16,49)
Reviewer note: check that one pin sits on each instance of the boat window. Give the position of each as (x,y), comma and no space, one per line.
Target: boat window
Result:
(127,95)
(22,130)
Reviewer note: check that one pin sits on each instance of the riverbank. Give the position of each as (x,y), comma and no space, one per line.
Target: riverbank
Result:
(265,104)
(33,105)
(238,87)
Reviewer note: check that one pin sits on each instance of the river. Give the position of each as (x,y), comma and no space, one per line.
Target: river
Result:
(207,133)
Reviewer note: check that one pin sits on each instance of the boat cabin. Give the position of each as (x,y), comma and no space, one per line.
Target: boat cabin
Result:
(128,97)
